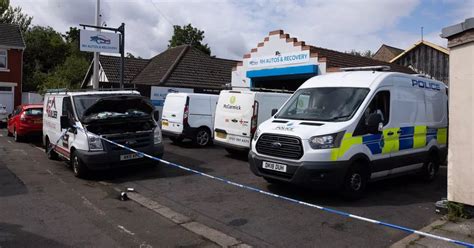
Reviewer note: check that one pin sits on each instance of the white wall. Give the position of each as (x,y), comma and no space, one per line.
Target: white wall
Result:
(30,98)
(461,124)
(274,43)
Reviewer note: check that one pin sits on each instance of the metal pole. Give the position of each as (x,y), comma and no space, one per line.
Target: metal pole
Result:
(122,54)
(95,77)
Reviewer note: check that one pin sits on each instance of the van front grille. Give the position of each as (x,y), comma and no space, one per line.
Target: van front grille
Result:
(132,140)
(280,146)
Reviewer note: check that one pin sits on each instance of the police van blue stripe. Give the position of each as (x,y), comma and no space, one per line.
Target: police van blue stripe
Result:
(341,213)
(406,138)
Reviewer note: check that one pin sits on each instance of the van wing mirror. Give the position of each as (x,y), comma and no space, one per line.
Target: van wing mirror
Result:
(274,111)
(65,123)
(375,123)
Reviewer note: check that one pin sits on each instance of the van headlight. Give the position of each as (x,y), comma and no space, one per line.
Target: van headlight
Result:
(326,141)
(95,143)
(157,136)
(256,134)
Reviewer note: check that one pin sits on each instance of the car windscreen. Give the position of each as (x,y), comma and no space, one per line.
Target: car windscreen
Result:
(34,112)
(323,104)
(82,103)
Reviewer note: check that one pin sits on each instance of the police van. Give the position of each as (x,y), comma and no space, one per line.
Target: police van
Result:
(73,123)
(344,129)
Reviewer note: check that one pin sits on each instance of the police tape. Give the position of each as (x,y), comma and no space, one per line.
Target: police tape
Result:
(341,213)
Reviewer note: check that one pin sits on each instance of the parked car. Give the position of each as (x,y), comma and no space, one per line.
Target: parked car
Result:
(189,115)
(238,113)
(26,120)
(124,117)
(342,130)
(3,114)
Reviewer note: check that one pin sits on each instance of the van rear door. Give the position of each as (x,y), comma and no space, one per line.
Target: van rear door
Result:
(173,112)
(233,117)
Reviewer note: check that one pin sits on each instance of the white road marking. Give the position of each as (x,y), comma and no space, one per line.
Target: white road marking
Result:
(92,206)
(125,230)
(9,141)
(39,148)
(50,172)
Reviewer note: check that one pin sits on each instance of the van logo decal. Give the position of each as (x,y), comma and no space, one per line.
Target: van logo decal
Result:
(425,85)
(51,108)
(232,99)
(276,145)
(235,120)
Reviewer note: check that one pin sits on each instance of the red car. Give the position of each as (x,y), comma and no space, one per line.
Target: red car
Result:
(25,120)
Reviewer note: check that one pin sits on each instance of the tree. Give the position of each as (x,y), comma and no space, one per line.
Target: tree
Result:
(188,35)
(46,49)
(14,15)
(131,56)
(67,75)
(366,53)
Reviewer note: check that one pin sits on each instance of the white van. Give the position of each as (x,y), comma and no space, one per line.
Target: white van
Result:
(341,130)
(124,117)
(238,114)
(189,115)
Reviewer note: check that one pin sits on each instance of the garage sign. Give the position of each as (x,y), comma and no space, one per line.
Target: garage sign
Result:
(94,41)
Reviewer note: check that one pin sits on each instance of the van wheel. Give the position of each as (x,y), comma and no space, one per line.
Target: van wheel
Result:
(52,155)
(430,168)
(78,167)
(355,182)
(203,137)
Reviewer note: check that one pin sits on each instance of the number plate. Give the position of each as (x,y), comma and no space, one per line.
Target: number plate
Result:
(274,166)
(221,135)
(129,156)
(164,123)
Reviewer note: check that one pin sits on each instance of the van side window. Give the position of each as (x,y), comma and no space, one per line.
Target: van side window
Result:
(379,104)
(67,108)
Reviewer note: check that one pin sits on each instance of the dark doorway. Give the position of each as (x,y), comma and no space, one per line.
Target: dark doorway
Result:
(290,83)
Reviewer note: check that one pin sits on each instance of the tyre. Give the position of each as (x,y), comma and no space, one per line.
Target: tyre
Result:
(202,137)
(78,167)
(52,155)
(430,168)
(355,182)
(16,137)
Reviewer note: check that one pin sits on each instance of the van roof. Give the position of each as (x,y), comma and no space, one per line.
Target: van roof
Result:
(102,92)
(359,79)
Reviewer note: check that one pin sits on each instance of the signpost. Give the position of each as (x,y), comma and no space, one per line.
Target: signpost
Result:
(108,42)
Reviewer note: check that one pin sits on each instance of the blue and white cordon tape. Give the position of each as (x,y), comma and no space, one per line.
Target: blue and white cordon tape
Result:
(401,228)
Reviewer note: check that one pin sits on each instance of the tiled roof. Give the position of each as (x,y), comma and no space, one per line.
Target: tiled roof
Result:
(394,50)
(185,66)
(335,59)
(10,36)
(111,66)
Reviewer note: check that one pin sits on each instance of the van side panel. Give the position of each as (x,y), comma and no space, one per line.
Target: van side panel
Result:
(202,111)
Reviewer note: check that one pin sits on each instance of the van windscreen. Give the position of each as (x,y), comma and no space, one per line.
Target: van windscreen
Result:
(323,104)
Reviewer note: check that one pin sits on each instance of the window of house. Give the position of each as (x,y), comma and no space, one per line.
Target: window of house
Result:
(3,59)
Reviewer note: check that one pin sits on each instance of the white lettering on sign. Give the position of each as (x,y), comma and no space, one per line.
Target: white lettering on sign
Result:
(94,41)
(280,59)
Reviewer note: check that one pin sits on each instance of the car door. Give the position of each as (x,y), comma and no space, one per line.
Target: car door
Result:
(69,136)
(380,144)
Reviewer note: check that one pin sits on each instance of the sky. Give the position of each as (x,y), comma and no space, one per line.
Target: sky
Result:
(233,27)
